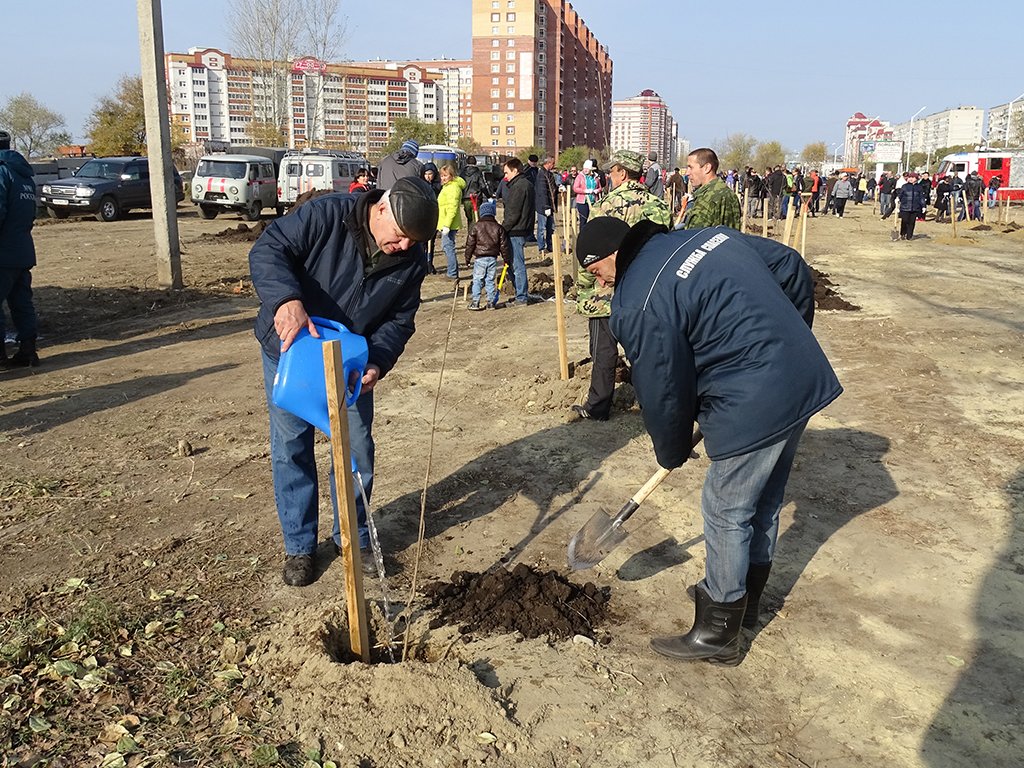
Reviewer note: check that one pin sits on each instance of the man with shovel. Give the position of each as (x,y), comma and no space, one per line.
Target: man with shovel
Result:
(716,325)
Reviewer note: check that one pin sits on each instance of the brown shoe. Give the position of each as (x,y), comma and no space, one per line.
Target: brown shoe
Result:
(298,570)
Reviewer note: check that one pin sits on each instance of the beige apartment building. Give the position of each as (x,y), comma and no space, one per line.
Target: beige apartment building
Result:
(540,77)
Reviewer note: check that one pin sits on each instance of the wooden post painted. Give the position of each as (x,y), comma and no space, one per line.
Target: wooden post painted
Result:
(355,600)
(563,353)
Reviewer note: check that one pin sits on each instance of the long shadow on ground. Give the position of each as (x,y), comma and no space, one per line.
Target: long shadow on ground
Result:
(981,723)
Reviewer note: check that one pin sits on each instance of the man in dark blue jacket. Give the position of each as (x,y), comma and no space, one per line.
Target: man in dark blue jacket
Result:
(716,326)
(17,253)
(354,259)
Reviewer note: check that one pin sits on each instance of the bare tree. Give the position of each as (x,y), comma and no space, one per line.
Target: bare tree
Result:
(814,153)
(323,31)
(736,150)
(267,31)
(35,129)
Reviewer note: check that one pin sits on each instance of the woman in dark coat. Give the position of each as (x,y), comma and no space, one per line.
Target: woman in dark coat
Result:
(911,206)
(430,174)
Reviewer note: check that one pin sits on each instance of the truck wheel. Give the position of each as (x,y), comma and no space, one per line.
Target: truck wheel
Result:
(207,212)
(252,211)
(58,213)
(109,210)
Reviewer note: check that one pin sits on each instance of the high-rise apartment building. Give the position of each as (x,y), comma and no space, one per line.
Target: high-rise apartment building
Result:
(860,128)
(218,98)
(949,128)
(455,80)
(644,124)
(540,77)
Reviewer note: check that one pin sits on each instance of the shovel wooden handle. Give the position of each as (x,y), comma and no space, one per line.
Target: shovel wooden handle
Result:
(647,489)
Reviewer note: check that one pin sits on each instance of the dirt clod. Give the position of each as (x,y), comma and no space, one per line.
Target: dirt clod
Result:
(825,296)
(523,600)
(240,233)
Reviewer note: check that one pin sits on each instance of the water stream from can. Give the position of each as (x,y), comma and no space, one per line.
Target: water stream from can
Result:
(378,560)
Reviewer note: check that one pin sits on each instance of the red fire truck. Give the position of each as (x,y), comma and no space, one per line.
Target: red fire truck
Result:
(1008,164)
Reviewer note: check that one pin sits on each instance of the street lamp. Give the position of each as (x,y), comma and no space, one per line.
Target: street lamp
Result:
(1009,114)
(910,143)
(835,153)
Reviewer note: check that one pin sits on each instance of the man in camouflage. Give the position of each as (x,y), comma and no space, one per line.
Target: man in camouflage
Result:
(713,203)
(630,201)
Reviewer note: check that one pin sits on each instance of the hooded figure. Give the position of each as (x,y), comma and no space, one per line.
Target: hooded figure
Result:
(17,252)
(399,165)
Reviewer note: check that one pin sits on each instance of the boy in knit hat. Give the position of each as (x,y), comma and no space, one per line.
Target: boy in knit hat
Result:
(487,240)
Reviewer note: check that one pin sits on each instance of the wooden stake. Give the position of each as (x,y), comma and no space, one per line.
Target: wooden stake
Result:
(790,214)
(984,206)
(563,352)
(806,197)
(743,218)
(952,211)
(764,213)
(334,379)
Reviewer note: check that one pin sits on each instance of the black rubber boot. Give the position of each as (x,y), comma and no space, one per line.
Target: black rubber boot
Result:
(715,635)
(25,356)
(757,577)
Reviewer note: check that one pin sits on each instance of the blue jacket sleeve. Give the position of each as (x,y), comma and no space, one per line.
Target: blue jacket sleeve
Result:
(665,380)
(276,260)
(388,342)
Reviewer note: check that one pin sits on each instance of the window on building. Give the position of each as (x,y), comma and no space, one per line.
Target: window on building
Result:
(494,106)
(495,130)
(494,118)
(510,130)
(495,55)
(495,93)
(510,43)
(495,67)
(540,57)
(495,17)
(510,67)
(511,142)
(511,81)
(511,118)
(494,80)
(510,55)
(495,43)
(511,30)
(511,105)
(494,142)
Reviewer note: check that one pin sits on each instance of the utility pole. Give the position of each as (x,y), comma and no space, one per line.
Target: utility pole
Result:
(158,141)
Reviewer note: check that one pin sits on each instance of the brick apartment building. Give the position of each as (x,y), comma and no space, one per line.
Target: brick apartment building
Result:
(644,124)
(540,77)
(216,98)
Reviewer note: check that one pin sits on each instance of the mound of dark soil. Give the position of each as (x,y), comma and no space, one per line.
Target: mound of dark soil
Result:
(523,600)
(238,234)
(825,296)
(543,284)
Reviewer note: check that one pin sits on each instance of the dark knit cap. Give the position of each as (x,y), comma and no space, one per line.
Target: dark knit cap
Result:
(599,238)
(414,207)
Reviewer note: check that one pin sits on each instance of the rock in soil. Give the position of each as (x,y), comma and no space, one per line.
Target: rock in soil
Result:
(523,600)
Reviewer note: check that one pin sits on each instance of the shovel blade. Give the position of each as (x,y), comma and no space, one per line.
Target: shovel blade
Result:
(594,541)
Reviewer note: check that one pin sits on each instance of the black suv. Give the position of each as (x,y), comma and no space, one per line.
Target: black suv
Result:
(107,187)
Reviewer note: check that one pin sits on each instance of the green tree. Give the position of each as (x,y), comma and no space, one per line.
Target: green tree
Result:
(266,133)
(814,153)
(36,131)
(574,156)
(470,146)
(540,152)
(735,151)
(769,153)
(419,130)
(117,125)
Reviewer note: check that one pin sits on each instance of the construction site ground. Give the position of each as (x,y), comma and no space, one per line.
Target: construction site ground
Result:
(143,620)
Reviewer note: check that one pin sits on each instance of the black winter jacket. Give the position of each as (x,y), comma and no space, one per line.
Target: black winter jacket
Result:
(717,327)
(17,212)
(519,211)
(318,255)
(545,191)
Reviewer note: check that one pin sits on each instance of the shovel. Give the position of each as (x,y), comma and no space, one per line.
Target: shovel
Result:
(603,533)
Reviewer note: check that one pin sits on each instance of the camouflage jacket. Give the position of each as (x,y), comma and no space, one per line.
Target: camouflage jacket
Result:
(714,204)
(631,202)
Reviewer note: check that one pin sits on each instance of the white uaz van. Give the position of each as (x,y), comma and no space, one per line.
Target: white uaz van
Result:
(303,170)
(244,183)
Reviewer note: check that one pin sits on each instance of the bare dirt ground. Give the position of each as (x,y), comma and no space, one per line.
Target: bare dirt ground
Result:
(144,622)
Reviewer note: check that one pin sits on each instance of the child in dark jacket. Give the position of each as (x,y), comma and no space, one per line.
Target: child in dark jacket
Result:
(487,240)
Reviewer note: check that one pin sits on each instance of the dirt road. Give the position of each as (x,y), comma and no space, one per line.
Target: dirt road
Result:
(140,552)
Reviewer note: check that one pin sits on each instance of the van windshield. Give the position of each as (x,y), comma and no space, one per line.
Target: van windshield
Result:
(228,169)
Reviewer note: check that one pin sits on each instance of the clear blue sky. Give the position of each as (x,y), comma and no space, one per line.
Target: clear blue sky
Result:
(792,71)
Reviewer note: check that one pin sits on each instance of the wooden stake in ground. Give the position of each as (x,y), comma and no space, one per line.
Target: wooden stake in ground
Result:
(764,221)
(984,208)
(743,218)
(334,379)
(806,198)
(563,353)
(952,211)
(790,214)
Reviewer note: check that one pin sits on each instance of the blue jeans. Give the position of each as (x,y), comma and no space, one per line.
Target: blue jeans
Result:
(545,231)
(583,211)
(483,275)
(16,290)
(740,502)
(519,268)
(292,462)
(448,242)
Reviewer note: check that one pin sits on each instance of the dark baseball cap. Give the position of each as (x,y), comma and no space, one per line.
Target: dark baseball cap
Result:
(5,140)
(600,238)
(414,206)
